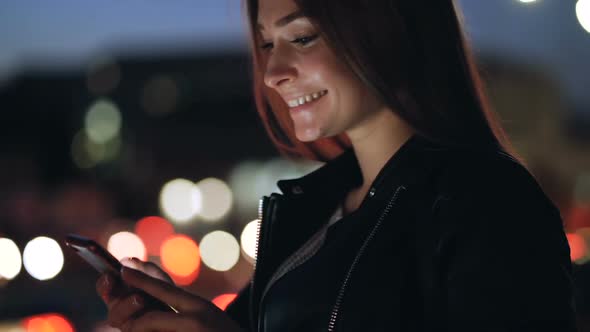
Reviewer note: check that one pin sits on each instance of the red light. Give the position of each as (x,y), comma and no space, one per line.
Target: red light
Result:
(578,247)
(223,300)
(37,324)
(578,217)
(47,323)
(153,231)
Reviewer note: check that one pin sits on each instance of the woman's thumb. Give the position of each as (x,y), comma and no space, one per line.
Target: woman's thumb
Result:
(148,268)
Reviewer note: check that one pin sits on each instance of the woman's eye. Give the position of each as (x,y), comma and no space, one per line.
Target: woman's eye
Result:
(266,46)
(304,40)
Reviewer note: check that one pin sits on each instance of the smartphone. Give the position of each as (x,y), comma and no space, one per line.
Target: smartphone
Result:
(102,261)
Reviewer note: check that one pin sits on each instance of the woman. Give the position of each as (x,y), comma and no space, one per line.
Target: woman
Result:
(420,221)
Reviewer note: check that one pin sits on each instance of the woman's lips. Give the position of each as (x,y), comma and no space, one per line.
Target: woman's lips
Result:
(307,105)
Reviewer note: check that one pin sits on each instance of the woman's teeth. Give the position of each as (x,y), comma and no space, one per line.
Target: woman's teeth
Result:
(306,99)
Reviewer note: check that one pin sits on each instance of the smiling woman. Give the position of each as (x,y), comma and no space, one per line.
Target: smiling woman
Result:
(419,177)
(323,96)
(392,56)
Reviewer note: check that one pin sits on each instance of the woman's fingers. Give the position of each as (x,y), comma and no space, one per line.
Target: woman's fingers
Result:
(104,284)
(122,306)
(123,309)
(148,268)
(167,293)
(109,287)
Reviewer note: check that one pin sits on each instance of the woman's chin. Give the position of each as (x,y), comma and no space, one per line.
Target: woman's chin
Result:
(308,134)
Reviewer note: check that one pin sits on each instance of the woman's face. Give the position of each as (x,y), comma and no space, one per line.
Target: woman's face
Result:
(325,98)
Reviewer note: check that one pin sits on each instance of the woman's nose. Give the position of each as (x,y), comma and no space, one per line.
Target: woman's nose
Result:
(279,71)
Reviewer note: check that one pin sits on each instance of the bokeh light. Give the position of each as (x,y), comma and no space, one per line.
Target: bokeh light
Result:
(12,326)
(241,180)
(37,324)
(223,300)
(43,258)
(578,248)
(250,180)
(153,231)
(217,199)
(280,168)
(126,244)
(59,323)
(583,14)
(102,121)
(11,262)
(180,200)
(578,216)
(527,1)
(87,153)
(181,258)
(160,95)
(248,240)
(48,323)
(220,250)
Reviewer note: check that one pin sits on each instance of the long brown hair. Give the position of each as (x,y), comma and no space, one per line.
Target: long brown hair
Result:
(412,55)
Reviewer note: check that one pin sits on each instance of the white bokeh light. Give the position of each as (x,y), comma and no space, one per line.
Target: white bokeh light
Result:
(250,179)
(43,258)
(217,199)
(248,240)
(180,200)
(241,179)
(220,250)
(583,14)
(103,121)
(126,244)
(11,262)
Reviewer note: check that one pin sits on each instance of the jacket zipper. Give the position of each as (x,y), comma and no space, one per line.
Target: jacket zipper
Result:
(306,251)
(261,205)
(337,306)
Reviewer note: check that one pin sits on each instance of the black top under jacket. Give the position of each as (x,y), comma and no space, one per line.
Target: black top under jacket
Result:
(458,239)
(315,283)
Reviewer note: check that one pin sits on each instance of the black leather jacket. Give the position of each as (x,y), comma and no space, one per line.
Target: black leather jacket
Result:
(468,238)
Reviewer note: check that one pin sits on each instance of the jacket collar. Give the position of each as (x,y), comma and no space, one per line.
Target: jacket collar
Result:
(410,164)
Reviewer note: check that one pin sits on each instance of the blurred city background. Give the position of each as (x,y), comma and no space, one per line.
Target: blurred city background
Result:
(132,122)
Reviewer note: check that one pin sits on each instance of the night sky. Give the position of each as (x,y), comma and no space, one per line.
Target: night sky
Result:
(67,33)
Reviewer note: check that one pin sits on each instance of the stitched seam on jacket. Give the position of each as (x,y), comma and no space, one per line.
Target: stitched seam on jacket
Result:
(306,251)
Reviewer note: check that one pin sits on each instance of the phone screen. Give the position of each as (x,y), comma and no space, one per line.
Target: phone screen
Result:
(94,254)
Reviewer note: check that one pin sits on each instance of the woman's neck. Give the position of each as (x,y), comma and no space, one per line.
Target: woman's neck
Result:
(376,141)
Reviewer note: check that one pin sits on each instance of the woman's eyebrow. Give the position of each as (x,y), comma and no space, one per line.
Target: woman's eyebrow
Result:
(285,20)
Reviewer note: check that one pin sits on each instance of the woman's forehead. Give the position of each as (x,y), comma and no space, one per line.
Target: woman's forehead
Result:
(272,12)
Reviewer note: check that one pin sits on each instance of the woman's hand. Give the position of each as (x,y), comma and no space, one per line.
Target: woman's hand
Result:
(128,312)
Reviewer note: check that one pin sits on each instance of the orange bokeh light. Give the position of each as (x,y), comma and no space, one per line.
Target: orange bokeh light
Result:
(48,323)
(578,247)
(59,323)
(223,300)
(153,231)
(181,258)
(37,324)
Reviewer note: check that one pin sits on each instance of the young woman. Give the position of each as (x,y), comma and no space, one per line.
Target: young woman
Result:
(421,219)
